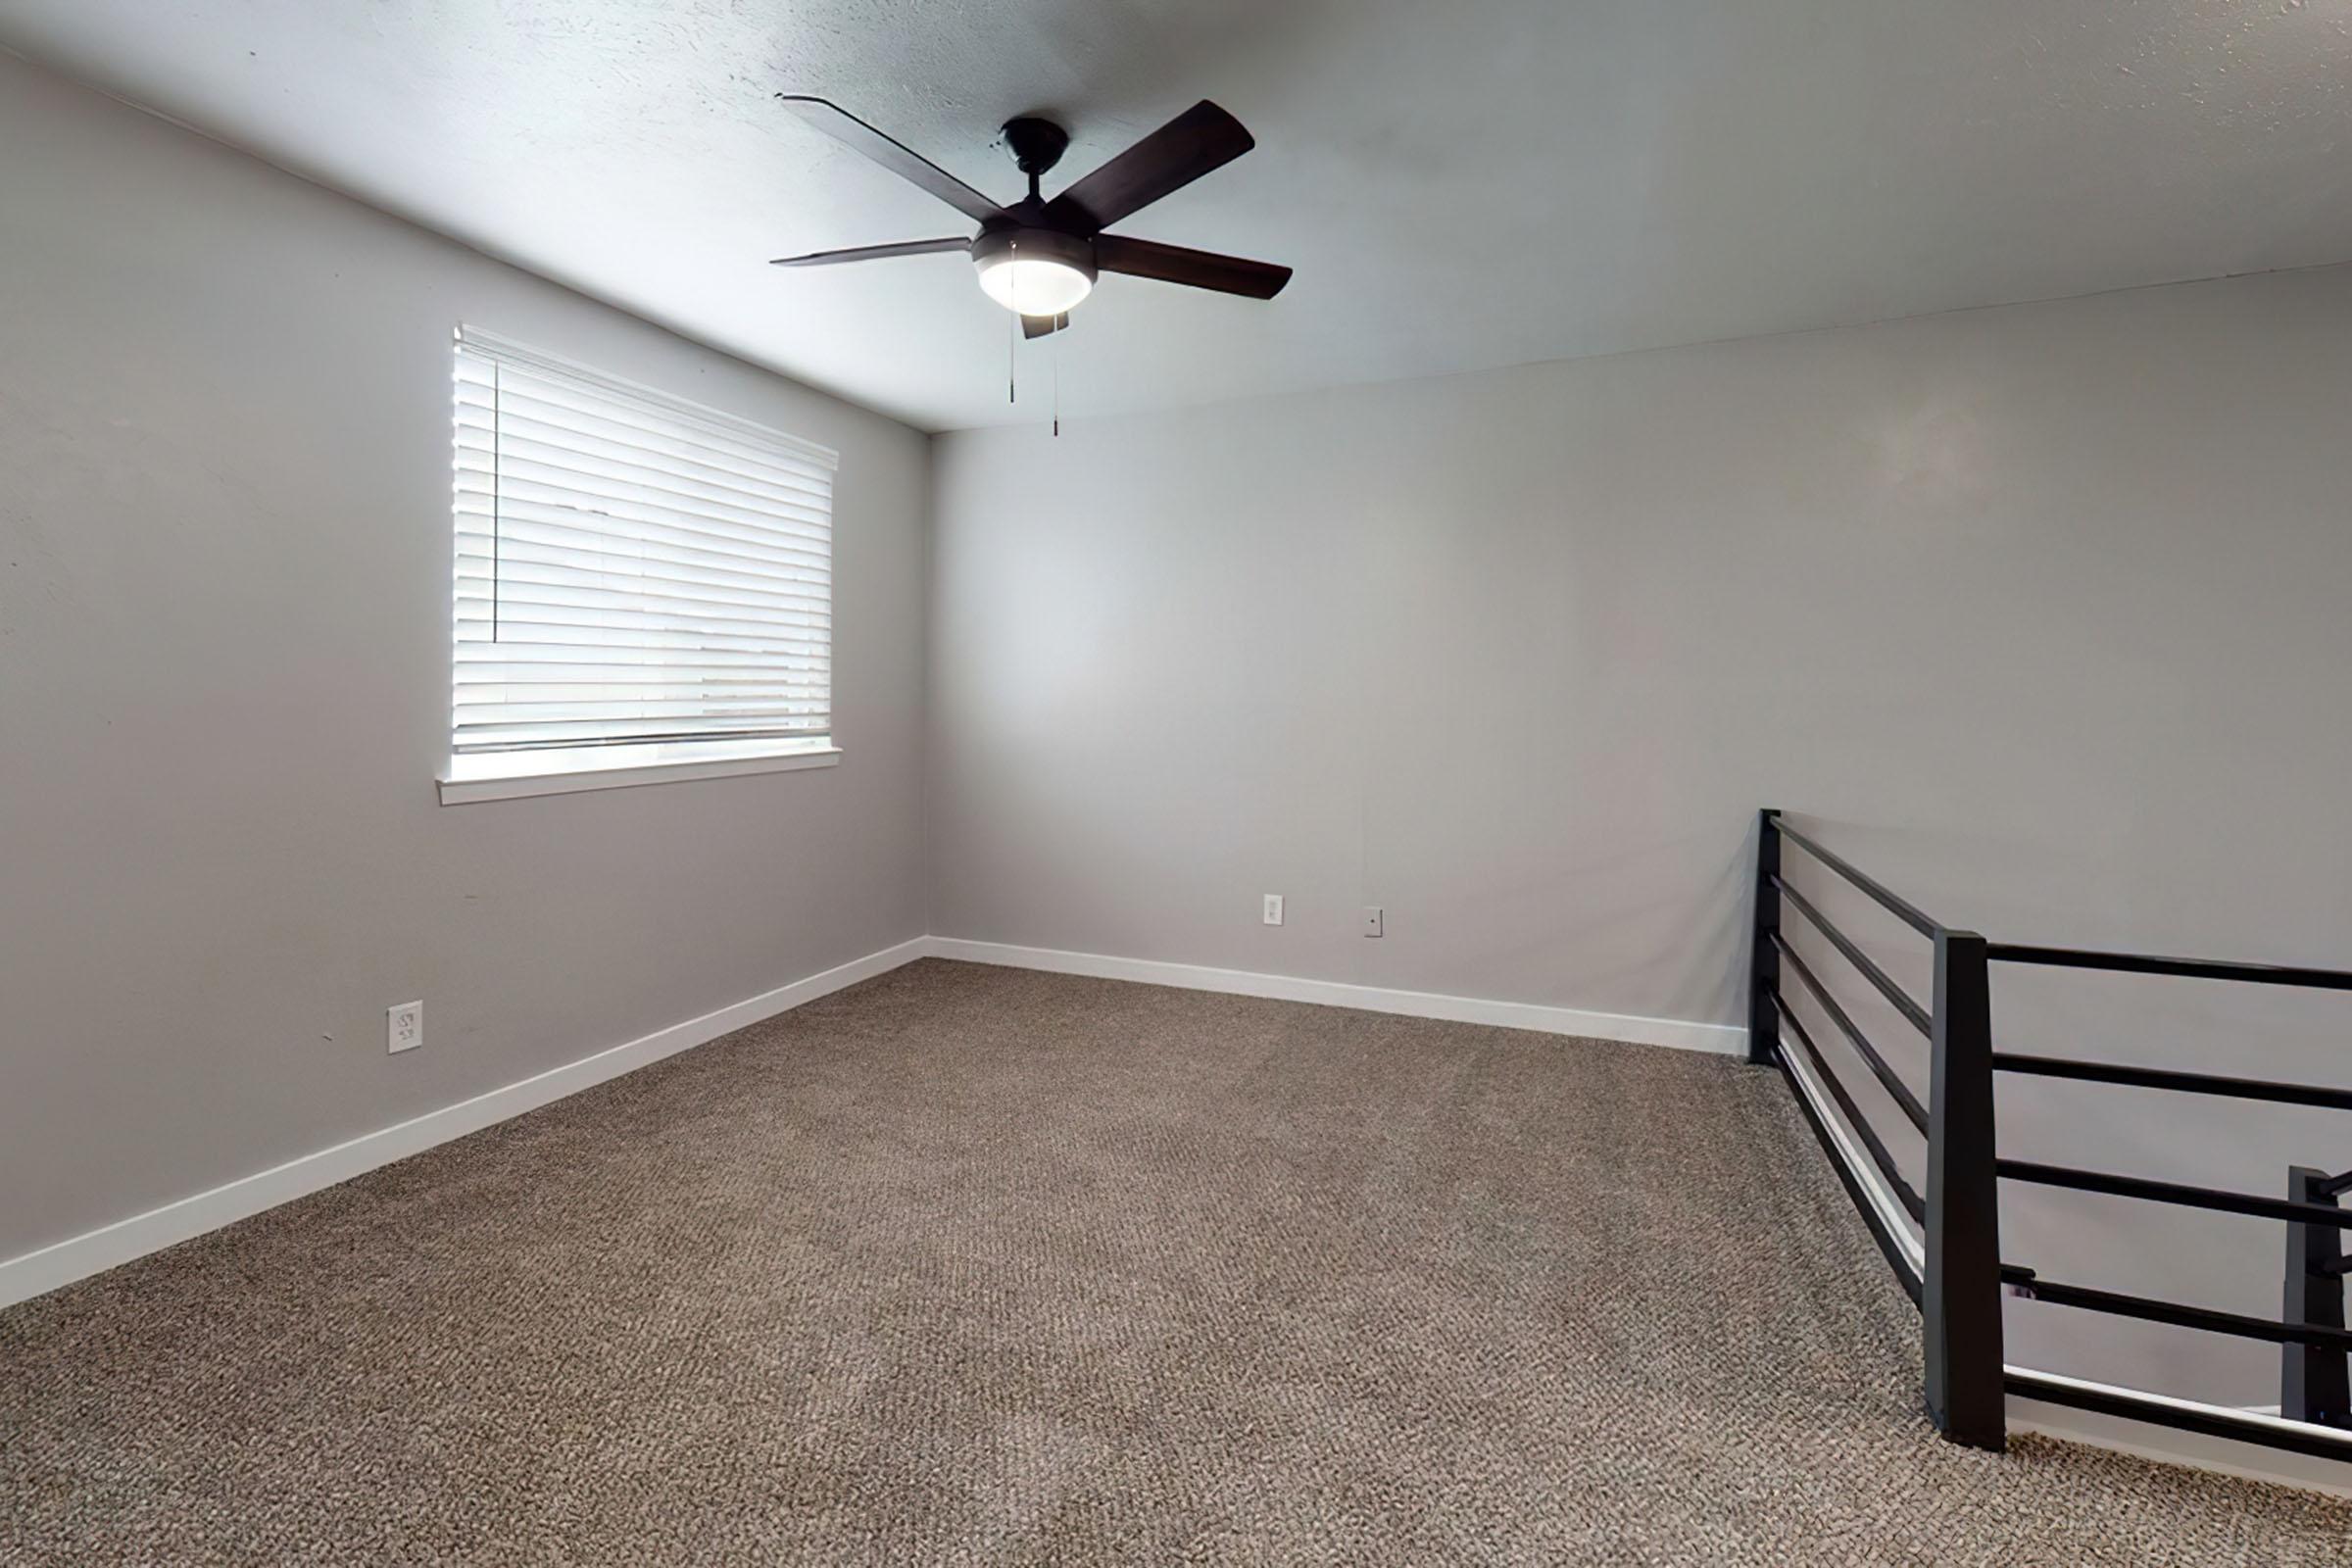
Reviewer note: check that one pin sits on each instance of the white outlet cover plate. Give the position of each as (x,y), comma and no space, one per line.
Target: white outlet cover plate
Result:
(1273,909)
(1373,918)
(404,1027)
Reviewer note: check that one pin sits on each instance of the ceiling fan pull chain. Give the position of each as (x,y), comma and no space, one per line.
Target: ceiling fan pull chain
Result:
(1056,351)
(1012,345)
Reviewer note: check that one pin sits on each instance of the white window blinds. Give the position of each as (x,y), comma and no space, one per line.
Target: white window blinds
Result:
(632,571)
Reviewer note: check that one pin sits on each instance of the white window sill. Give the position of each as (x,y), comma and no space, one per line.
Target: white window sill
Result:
(511,775)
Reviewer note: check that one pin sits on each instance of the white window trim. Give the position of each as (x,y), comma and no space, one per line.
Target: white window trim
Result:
(566,770)
(514,776)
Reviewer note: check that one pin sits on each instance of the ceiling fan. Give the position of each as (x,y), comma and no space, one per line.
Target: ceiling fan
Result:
(1038,257)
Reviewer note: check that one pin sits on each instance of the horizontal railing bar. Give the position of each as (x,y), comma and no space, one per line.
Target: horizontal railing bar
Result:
(1860,960)
(2295,1436)
(2266,974)
(1893,903)
(2336,1184)
(1874,1218)
(2194,1083)
(2151,1311)
(2213,1197)
(1911,1202)
(1895,1086)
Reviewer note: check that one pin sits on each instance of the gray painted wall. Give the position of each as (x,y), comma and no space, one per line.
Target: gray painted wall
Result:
(2039,612)
(225,590)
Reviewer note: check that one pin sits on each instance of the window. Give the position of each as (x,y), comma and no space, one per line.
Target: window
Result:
(644,587)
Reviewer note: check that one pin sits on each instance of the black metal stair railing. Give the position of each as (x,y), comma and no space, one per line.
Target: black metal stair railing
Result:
(1958,1277)
(2315,1381)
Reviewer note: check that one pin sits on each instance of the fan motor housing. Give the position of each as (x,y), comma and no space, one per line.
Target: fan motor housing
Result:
(1017,241)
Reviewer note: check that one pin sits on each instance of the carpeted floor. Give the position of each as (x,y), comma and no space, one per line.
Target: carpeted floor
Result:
(973,1265)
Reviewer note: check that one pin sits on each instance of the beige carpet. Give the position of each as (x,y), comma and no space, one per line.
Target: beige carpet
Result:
(970,1266)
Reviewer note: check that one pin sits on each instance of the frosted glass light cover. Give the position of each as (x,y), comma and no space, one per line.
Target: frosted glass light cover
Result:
(1034,286)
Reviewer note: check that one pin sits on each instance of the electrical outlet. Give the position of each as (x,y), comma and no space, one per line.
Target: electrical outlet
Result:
(1372,919)
(1273,909)
(404,1027)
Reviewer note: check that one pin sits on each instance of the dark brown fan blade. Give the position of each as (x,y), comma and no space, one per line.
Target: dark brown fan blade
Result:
(1202,138)
(1173,263)
(1040,325)
(902,160)
(874,253)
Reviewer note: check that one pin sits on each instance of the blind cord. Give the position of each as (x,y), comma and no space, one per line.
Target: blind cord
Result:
(498,524)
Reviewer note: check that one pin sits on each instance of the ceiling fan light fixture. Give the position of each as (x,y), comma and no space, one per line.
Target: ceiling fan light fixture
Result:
(1034,272)
(1039,258)
(1035,287)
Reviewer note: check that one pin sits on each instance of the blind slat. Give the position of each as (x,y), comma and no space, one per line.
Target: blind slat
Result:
(521,626)
(480,428)
(637,693)
(512,620)
(636,408)
(473,571)
(714,514)
(507,498)
(479,418)
(631,568)
(588,633)
(631,413)
(583,546)
(560,660)
(582,730)
(661,612)
(590,705)
(570,550)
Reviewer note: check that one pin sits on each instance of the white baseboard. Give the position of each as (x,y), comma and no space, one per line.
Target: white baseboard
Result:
(2153,1440)
(94,1252)
(1676,1033)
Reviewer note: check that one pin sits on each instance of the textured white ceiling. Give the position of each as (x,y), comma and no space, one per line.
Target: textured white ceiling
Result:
(1460,183)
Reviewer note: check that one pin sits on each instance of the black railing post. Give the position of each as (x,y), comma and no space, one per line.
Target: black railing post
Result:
(1764,963)
(1962,1297)
(2312,1379)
